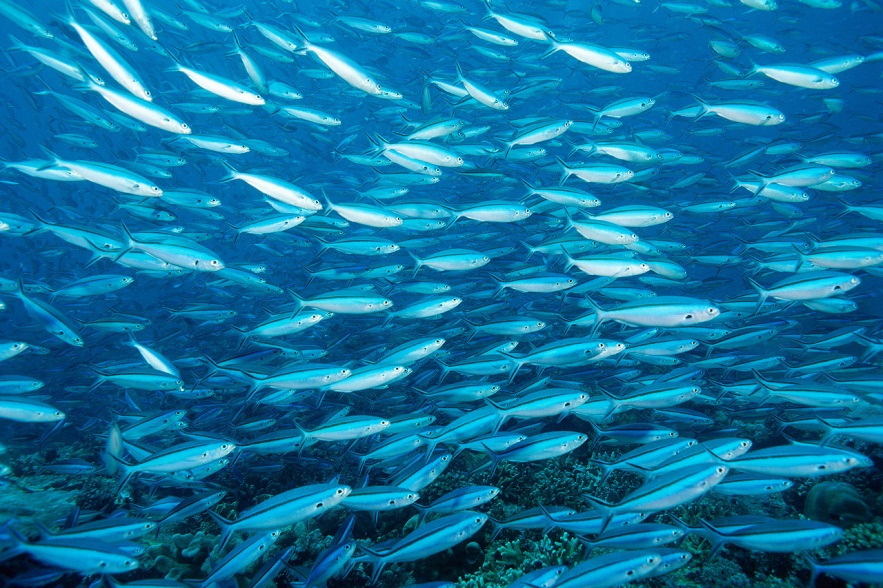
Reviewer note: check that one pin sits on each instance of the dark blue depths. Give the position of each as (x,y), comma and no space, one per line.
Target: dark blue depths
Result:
(531,294)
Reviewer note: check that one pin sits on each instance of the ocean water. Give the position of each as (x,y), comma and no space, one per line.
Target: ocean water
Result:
(441,293)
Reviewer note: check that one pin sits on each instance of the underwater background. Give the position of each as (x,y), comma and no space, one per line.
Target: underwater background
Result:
(441,293)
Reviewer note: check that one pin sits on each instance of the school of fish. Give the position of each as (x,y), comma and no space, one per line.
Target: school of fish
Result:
(365,269)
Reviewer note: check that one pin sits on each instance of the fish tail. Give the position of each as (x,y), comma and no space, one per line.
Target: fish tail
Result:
(614,403)
(567,324)
(226,528)
(236,42)
(20,289)
(495,460)
(497,527)
(125,470)
(762,183)
(709,348)
(605,507)
(17,45)
(473,329)
(606,467)
(130,240)
(555,45)
(737,183)
(174,68)
(446,369)
(378,563)
(300,34)
(801,257)
(515,371)
(716,545)
(322,249)
(600,317)
(69,17)
(754,68)
(814,570)
(231,172)
(297,299)
(763,294)
(700,100)
(565,171)
(41,223)
(530,249)
(56,160)
(569,263)
(702,103)
(327,201)
(19,542)
(847,207)
(377,145)
(574,147)
(501,284)
(418,263)
(569,224)
(531,190)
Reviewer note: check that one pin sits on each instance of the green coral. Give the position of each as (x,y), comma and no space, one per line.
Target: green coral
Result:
(559,482)
(860,537)
(512,559)
(188,549)
(736,569)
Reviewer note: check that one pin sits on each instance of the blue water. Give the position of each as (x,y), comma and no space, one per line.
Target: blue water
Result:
(62,472)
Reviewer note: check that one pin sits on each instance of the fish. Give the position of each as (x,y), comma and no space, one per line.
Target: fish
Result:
(857,566)
(776,536)
(117,67)
(28,411)
(611,569)
(77,555)
(50,319)
(183,456)
(284,509)
(679,486)
(371,295)
(342,66)
(428,539)
(221,86)
(803,76)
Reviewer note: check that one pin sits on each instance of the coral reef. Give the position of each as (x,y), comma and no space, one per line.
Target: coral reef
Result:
(514,558)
